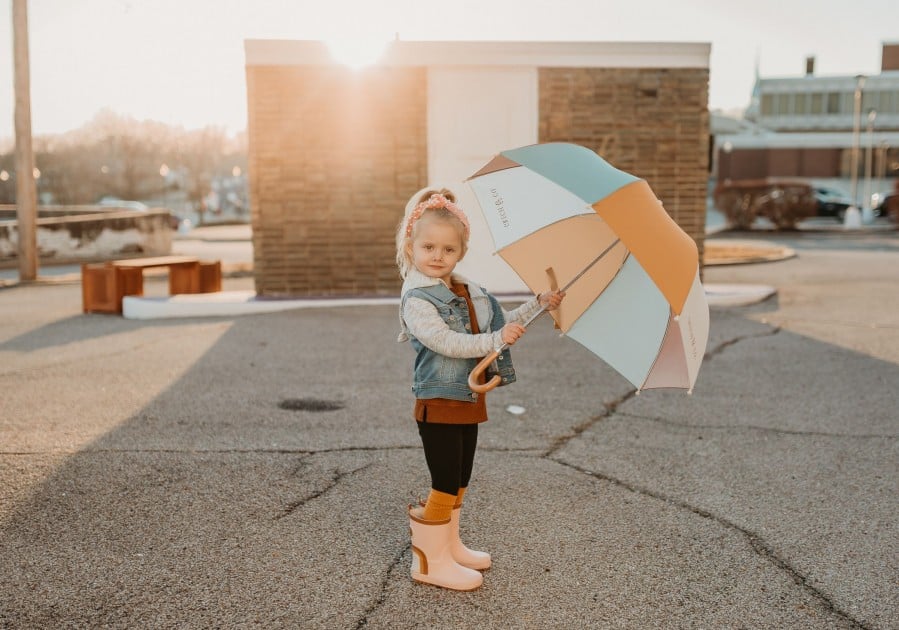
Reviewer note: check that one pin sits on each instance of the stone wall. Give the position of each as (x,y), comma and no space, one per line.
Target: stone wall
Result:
(334,155)
(651,122)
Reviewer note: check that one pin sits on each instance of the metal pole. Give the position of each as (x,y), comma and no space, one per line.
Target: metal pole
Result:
(867,210)
(26,191)
(853,217)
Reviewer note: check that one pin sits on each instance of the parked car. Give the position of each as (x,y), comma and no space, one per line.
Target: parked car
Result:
(783,202)
(831,202)
(885,202)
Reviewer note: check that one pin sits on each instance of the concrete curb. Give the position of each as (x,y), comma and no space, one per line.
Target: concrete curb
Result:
(723,295)
(233,303)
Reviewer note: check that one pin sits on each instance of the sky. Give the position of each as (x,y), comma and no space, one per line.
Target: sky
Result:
(182,61)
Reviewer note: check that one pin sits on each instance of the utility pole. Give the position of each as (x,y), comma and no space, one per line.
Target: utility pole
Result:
(867,210)
(26,191)
(853,218)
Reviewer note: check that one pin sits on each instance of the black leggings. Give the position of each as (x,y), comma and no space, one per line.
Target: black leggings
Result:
(449,451)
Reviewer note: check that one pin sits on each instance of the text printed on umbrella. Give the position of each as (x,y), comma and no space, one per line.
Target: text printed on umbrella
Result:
(692,338)
(500,208)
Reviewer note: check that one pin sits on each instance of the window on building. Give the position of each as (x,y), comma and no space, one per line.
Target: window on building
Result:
(882,101)
(847,102)
(767,104)
(817,103)
(870,100)
(783,104)
(833,102)
(800,104)
(888,102)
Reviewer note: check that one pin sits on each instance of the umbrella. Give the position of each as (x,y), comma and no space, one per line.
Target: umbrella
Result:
(558,211)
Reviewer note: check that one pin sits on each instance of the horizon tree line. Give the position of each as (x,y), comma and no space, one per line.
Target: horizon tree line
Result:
(118,156)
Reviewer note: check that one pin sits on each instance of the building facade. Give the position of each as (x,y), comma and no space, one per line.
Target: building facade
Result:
(819,128)
(335,152)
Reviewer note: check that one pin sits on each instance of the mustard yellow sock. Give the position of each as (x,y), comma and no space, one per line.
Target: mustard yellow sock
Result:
(439,506)
(459,497)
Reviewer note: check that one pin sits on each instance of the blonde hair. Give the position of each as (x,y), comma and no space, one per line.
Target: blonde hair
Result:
(405,236)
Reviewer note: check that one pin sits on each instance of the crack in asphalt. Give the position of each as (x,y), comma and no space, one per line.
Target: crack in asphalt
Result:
(382,595)
(760,547)
(612,407)
(579,429)
(300,466)
(837,322)
(224,451)
(336,478)
(754,427)
(250,451)
(725,344)
(758,544)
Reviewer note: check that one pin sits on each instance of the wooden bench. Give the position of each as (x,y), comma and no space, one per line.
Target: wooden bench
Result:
(103,285)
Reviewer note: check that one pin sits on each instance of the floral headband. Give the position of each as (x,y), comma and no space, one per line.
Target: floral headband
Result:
(433,202)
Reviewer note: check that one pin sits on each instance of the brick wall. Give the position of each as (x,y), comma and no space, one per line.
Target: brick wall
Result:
(889,59)
(795,162)
(334,155)
(652,123)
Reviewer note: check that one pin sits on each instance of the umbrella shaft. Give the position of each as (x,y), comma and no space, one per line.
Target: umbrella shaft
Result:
(566,287)
(593,262)
(526,324)
(534,316)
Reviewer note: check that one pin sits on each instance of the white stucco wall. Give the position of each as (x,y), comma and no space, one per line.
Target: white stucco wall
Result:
(474,112)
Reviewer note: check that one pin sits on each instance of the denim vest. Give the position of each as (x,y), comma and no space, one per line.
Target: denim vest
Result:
(438,376)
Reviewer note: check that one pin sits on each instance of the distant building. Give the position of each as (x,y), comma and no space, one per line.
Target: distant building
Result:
(806,127)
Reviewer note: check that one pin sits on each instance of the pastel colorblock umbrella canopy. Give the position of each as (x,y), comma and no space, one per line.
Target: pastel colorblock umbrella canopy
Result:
(560,215)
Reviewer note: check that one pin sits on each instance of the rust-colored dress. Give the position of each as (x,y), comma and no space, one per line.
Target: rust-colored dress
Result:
(445,410)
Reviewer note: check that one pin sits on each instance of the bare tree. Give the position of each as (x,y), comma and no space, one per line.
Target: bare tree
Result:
(115,155)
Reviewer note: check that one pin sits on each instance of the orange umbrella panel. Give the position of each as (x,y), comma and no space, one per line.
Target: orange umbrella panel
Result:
(664,250)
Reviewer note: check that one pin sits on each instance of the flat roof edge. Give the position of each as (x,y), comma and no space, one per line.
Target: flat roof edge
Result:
(806,140)
(265,52)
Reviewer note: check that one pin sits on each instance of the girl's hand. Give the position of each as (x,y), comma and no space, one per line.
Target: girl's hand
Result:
(512,333)
(551,299)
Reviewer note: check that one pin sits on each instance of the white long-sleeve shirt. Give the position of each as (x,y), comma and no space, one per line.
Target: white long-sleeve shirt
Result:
(421,319)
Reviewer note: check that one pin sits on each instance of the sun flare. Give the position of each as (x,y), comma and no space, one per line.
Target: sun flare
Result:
(357,51)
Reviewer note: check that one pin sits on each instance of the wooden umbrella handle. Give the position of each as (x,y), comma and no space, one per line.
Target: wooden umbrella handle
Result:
(483,388)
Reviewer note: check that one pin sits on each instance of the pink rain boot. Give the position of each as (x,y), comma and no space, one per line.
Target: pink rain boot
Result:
(432,556)
(463,555)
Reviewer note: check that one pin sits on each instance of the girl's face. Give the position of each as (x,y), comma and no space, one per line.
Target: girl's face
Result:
(436,248)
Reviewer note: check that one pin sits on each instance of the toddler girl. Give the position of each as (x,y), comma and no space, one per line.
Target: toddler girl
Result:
(450,323)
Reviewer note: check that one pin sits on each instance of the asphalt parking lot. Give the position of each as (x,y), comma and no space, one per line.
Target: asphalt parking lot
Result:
(151,477)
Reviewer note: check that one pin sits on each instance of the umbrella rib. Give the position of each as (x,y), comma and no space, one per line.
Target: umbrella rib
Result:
(658,352)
